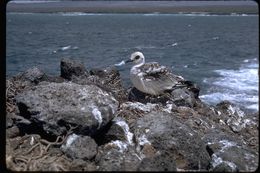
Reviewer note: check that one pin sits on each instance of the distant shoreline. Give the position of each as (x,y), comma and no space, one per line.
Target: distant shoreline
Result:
(210,7)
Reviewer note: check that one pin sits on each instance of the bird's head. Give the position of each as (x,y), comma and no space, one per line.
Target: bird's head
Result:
(136,58)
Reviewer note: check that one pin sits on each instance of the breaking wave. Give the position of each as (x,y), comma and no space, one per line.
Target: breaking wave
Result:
(238,86)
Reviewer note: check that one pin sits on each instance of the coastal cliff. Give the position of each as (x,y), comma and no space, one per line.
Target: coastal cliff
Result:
(86,120)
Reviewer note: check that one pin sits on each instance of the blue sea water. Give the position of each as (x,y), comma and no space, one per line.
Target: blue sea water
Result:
(218,52)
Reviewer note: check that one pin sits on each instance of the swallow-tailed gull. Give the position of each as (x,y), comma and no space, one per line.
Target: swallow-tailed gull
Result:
(151,78)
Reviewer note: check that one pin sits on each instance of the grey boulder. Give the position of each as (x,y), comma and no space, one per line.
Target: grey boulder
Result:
(165,133)
(229,153)
(57,106)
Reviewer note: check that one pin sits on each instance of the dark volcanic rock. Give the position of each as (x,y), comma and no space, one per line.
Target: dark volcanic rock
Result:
(183,97)
(55,106)
(229,152)
(34,75)
(161,162)
(117,156)
(70,68)
(166,133)
(193,87)
(225,167)
(82,165)
(109,79)
(80,147)
(119,130)
(233,116)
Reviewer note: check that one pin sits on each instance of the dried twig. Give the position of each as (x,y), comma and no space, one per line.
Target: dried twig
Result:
(26,161)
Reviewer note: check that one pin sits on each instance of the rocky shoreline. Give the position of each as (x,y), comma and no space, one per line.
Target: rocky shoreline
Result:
(86,120)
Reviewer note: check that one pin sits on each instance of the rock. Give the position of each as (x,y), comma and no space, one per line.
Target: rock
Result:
(34,75)
(229,150)
(12,132)
(222,166)
(229,109)
(81,165)
(193,87)
(119,130)
(70,68)
(117,156)
(107,73)
(109,79)
(110,161)
(12,123)
(183,97)
(160,162)
(80,147)
(22,81)
(119,153)
(56,106)
(179,96)
(131,111)
(166,133)
(233,116)
(56,79)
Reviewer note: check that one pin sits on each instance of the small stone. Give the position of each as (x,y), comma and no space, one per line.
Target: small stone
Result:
(80,147)
(34,75)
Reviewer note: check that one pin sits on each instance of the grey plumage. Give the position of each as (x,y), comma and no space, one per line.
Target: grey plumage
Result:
(152,78)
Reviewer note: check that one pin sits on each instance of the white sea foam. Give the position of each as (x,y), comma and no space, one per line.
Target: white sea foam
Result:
(80,14)
(174,44)
(194,14)
(238,86)
(215,38)
(66,47)
(74,14)
(243,79)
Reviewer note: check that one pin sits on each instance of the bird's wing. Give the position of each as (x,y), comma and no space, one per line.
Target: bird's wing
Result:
(156,72)
(157,77)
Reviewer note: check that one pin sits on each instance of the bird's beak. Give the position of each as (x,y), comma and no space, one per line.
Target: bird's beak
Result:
(129,60)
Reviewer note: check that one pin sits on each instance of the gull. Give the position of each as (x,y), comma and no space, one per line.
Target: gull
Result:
(152,78)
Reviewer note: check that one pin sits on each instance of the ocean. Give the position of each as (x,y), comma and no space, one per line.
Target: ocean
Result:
(218,52)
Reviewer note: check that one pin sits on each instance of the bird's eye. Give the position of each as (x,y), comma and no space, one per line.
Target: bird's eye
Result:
(137,57)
